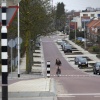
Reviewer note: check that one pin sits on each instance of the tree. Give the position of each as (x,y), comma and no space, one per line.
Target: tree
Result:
(34,22)
(60,16)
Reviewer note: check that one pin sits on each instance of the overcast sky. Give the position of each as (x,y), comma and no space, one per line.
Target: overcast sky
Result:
(78,4)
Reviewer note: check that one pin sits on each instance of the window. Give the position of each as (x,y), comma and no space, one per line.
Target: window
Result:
(85,15)
(92,15)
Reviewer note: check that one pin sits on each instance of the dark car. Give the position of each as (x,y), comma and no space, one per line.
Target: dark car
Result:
(82,62)
(76,60)
(67,48)
(96,68)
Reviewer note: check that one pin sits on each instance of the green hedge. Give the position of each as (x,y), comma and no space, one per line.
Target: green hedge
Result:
(94,49)
(79,43)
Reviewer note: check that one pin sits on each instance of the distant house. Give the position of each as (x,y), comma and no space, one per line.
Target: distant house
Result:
(88,16)
(93,29)
(73,25)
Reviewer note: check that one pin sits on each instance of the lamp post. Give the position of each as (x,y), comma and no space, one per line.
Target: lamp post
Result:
(75,31)
(18,45)
(84,36)
(69,25)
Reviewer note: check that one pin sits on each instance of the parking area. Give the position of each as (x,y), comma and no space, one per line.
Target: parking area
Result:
(78,51)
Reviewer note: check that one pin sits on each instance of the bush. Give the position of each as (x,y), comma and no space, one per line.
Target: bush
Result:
(98,55)
(94,49)
(79,43)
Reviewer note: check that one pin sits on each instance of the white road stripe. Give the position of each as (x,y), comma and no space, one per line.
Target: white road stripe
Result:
(81,94)
(66,96)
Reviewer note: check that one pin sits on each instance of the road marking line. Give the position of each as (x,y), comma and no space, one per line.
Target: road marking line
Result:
(81,94)
(76,75)
(67,96)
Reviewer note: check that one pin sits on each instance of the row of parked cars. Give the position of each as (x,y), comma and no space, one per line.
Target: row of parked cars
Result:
(79,60)
(66,47)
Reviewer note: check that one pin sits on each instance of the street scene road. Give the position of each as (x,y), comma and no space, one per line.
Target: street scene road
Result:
(50,50)
(73,84)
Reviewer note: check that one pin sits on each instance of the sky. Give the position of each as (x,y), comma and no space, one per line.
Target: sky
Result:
(78,4)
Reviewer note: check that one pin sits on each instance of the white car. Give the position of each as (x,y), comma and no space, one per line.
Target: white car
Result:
(59,41)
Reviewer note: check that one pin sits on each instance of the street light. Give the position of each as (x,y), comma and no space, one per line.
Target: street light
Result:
(69,25)
(75,31)
(84,36)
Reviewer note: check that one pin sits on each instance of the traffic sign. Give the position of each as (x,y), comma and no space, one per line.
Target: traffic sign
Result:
(11,43)
(11,2)
(85,20)
(11,12)
(20,40)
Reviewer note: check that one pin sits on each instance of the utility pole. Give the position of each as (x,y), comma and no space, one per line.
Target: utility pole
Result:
(75,32)
(18,45)
(69,26)
(84,36)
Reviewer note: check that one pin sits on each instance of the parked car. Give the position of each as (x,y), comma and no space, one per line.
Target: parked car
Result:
(63,42)
(59,41)
(82,62)
(79,38)
(76,60)
(63,45)
(96,68)
(67,48)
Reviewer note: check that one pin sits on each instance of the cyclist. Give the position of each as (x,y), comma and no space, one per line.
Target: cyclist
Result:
(58,63)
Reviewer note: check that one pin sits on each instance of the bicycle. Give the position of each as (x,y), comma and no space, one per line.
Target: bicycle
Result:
(58,72)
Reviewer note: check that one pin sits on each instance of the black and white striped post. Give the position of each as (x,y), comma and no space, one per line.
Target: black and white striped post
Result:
(4,54)
(48,69)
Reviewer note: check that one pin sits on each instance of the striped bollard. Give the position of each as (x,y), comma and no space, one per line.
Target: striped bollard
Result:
(4,53)
(48,69)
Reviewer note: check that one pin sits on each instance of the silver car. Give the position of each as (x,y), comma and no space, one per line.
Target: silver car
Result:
(59,41)
(67,48)
(63,45)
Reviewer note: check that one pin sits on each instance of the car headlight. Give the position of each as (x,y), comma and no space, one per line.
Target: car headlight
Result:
(79,62)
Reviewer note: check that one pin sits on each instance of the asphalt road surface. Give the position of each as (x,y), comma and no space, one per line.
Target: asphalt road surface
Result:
(73,84)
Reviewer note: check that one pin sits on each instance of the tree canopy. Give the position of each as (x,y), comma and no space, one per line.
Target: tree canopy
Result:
(60,16)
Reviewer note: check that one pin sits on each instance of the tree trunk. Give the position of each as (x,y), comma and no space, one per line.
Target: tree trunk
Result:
(28,67)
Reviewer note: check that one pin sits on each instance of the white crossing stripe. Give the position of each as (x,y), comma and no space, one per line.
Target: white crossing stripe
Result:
(79,94)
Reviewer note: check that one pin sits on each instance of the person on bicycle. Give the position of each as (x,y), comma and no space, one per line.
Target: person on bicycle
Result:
(58,63)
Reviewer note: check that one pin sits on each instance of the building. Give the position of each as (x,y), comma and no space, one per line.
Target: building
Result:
(93,29)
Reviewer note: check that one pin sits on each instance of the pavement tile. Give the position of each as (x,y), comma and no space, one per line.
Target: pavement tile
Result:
(41,84)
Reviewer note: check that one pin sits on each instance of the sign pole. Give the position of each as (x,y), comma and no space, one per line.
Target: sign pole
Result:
(18,46)
(4,53)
